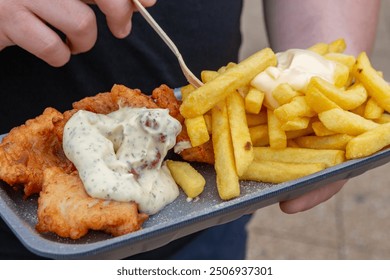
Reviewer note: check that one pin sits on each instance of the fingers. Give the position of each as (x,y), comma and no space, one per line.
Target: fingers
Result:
(31,34)
(119,14)
(74,18)
(311,199)
(148,3)
(28,24)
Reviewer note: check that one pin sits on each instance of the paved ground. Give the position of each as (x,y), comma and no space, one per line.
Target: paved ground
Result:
(352,225)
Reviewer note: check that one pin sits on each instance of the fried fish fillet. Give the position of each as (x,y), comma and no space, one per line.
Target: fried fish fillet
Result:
(119,96)
(105,103)
(165,98)
(202,153)
(67,210)
(32,156)
(29,149)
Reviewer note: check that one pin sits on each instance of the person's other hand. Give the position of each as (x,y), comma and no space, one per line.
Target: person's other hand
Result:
(312,198)
(29,24)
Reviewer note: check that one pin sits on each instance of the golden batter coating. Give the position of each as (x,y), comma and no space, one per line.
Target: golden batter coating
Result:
(32,156)
(67,210)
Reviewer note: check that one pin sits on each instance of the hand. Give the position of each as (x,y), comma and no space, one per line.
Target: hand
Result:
(311,199)
(28,24)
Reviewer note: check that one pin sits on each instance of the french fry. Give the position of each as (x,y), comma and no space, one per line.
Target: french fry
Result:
(296,124)
(341,75)
(292,134)
(300,155)
(227,179)
(228,66)
(346,122)
(376,86)
(243,91)
(384,118)
(292,144)
(331,142)
(187,177)
(278,172)
(277,136)
(373,110)
(197,130)
(196,127)
(360,110)
(208,75)
(207,96)
(241,139)
(320,129)
(207,119)
(317,101)
(298,107)
(320,48)
(369,142)
(259,135)
(284,93)
(303,131)
(347,60)
(337,46)
(256,119)
(186,90)
(254,100)
(345,99)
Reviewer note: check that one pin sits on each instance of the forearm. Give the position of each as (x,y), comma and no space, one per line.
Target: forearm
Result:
(302,23)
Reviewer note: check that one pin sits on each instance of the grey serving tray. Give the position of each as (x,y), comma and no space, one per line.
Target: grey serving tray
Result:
(178,219)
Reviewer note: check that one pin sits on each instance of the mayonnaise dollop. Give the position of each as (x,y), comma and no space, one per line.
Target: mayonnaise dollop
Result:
(120,156)
(295,67)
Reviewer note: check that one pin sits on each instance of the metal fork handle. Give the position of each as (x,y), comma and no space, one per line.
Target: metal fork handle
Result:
(191,78)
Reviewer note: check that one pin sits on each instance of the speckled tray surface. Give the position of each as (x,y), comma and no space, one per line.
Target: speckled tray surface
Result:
(178,219)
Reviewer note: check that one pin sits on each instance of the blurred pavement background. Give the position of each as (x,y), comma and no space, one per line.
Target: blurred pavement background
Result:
(352,225)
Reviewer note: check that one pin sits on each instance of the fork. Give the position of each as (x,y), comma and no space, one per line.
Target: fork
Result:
(191,78)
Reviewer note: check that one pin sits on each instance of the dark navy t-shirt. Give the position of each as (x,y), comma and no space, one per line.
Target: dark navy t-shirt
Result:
(207,32)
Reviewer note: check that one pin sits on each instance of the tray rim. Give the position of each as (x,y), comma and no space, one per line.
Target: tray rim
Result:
(159,235)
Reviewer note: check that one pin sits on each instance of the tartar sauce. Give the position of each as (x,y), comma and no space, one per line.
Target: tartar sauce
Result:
(295,67)
(120,156)
(181,146)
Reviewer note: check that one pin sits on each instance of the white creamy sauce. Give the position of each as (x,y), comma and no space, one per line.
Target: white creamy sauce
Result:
(181,146)
(295,67)
(120,156)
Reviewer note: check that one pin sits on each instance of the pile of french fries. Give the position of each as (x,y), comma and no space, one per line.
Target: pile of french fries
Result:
(308,131)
